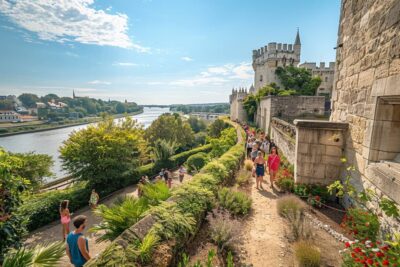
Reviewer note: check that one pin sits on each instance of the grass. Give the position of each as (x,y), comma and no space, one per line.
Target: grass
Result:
(243,177)
(290,206)
(248,165)
(237,203)
(307,255)
(224,231)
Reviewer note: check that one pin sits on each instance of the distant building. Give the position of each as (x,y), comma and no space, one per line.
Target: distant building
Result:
(326,73)
(206,115)
(9,116)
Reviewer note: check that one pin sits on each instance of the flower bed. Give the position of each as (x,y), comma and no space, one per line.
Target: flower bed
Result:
(42,209)
(176,220)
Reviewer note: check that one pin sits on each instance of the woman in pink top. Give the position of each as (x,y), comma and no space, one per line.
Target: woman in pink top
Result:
(65,217)
(273,164)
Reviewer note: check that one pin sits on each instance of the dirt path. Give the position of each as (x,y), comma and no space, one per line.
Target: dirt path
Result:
(264,235)
(53,231)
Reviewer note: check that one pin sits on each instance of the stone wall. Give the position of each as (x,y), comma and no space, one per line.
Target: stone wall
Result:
(319,148)
(284,136)
(367,93)
(237,112)
(287,107)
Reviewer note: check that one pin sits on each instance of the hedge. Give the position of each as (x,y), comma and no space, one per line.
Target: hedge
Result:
(178,218)
(41,209)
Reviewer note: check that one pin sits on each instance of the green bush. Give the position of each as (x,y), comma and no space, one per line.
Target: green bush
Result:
(237,203)
(197,161)
(216,169)
(289,206)
(243,177)
(361,223)
(307,255)
(285,184)
(180,158)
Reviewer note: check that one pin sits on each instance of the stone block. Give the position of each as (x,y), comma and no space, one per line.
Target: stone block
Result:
(366,78)
(142,227)
(303,148)
(331,160)
(316,149)
(332,172)
(307,136)
(335,151)
(394,67)
(393,85)
(311,170)
(331,137)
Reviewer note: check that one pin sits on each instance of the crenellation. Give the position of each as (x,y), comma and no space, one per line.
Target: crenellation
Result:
(284,47)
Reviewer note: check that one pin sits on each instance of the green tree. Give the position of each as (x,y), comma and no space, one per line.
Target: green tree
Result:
(120,108)
(34,167)
(215,129)
(105,154)
(29,100)
(162,151)
(197,124)
(12,226)
(6,104)
(49,97)
(298,79)
(171,128)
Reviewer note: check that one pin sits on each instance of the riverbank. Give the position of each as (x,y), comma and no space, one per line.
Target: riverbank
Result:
(48,127)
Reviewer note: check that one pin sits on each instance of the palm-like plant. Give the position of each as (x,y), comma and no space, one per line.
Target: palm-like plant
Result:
(39,256)
(155,193)
(119,217)
(163,150)
(145,248)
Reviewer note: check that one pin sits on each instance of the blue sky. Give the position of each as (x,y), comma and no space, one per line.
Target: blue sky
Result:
(152,51)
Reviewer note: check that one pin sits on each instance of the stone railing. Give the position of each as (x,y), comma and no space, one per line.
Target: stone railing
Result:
(285,127)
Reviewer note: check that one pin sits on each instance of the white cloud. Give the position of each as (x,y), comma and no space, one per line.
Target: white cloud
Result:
(219,76)
(99,82)
(125,64)
(187,59)
(70,21)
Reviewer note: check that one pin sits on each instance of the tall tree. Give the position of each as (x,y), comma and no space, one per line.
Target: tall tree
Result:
(215,129)
(105,154)
(171,128)
(197,124)
(29,100)
(298,79)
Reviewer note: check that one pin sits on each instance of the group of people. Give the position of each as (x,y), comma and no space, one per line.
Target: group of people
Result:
(167,175)
(264,154)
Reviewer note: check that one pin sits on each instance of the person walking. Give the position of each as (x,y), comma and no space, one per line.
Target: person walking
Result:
(182,172)
(254,151)
(94,199)
(142,182)
(65,217)
(77,247)
(273,165)
(265,146)
(259,165)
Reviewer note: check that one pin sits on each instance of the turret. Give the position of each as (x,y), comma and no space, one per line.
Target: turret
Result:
(297,44)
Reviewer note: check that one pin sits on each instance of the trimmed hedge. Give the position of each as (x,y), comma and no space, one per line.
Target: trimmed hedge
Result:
(41,209)
(188,204)
(197,161)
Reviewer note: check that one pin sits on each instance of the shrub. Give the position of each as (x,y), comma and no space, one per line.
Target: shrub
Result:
(216,169)
(49,255)
(163,150)
(285,184)
(224,231)
(180,158)
(119,217)
(143,249)
(197,161)
(243,177)
(289,205)
(237,203)
(248,165)
(155,193)
(299,227)
(361,223)
(307,255)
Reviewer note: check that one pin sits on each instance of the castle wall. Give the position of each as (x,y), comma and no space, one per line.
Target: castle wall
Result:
(367,95)
(287,107)
(237,112)
(326,72)
(283,134)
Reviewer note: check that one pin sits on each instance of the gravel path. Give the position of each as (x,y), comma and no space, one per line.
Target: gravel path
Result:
(53,231)
(264,235)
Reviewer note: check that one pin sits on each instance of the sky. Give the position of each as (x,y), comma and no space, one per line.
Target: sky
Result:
(152,51)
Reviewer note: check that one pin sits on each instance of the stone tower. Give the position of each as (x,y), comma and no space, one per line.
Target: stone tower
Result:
(236,102)
(268,58)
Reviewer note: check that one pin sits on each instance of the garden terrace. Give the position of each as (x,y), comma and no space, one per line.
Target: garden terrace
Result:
(175,222)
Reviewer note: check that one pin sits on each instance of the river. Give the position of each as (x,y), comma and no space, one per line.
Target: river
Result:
(48,142)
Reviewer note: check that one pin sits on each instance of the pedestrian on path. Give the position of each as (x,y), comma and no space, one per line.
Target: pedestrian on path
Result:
(65,218)
(94,199)
(77,247)
(273,164)
(182,172)
(259,165)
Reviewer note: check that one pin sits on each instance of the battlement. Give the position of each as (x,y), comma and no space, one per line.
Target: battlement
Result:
(321,67)
(271,49)
(238,94)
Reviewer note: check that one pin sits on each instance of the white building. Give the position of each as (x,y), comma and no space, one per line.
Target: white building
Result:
(9,116)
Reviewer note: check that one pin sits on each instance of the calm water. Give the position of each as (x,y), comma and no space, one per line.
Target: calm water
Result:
(48,142)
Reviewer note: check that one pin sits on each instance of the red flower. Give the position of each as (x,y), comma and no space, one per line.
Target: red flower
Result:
(385,248)
(357,250)
(347,244)
(380,254)
(370,261)
(317,198)
(353,255)
(385,262)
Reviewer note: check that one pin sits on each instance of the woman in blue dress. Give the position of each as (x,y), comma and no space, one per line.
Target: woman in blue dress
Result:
(259,165)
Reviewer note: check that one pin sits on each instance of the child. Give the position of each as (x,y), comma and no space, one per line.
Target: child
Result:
(65,217)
